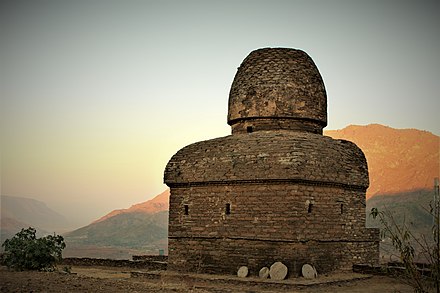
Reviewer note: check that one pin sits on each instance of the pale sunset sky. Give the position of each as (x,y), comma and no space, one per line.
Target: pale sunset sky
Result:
(97,95)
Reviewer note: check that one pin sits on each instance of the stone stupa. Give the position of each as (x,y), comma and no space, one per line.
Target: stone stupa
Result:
(276,189)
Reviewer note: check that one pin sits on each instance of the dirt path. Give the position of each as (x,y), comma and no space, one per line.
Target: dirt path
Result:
(108,279)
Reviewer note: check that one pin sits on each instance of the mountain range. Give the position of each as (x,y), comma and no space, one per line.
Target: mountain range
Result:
(140,229)
(402,165)
(399,160)
(158,204)
(22,212)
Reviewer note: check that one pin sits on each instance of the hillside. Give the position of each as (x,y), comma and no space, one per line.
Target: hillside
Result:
(140,229)
(412,207)
(133,230)
(157,204)
(21,212)
(399,160)
(10,226)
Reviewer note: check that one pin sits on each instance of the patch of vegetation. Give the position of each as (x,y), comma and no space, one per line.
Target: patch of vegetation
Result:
(130,230)
(25,251)
(413,206)
(411,247)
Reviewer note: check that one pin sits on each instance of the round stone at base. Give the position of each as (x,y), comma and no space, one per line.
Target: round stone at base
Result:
(243,272)
(309,272)
(264,273)
(278,271)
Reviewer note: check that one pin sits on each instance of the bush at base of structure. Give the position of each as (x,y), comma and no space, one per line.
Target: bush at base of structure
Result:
(25,251)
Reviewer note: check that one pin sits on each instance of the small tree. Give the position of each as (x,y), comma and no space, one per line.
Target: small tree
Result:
(25,251)
(404,241)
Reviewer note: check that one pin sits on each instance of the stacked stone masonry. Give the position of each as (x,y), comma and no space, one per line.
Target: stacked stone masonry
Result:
(270,155)
(278,83)
(276,189)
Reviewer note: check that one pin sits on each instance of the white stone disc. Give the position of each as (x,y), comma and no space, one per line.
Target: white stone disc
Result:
(264,273)
(278,271)
(309,272)
(243,272)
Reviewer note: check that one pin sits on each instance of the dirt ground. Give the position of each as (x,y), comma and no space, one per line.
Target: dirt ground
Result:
(109,279)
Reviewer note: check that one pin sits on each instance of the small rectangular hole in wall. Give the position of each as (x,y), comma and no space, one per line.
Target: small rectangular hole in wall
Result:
(249,129)
(186,209)
(342,208)
(309,208)
(228,209)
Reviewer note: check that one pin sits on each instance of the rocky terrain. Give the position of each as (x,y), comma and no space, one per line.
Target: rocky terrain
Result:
(399,160)
(111,279)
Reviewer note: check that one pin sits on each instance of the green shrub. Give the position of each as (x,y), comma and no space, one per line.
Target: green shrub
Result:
(25,251)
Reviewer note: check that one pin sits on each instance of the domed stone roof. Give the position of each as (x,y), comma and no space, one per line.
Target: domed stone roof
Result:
(278,88)
(266,156)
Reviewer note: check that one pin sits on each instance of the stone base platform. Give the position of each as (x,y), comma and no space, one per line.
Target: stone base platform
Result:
(210,280)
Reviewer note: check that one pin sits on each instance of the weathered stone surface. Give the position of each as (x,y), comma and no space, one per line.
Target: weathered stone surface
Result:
(264,273)
(268,156)
(278,83)
(274,189)
(224,256)
(243,272)
(309,272)
(272,212)
(278,271)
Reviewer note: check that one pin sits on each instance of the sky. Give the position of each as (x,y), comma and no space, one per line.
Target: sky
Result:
(97,95)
